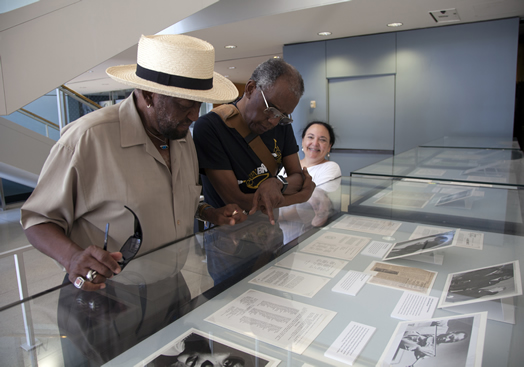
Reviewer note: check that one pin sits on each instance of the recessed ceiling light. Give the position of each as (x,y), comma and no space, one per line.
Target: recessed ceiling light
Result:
(276,57)
(324,33)
(230,46)
(395,24)
(232,67)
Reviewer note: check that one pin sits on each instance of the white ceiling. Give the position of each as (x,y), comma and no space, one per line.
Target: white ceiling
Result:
(260,28)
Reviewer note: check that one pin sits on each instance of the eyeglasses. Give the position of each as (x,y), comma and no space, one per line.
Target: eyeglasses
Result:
(273,113)
(132,245)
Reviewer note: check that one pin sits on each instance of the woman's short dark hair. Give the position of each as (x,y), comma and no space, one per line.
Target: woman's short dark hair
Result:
(326,125)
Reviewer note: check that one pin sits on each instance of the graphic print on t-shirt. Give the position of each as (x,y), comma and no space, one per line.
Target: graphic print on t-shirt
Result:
(261,173)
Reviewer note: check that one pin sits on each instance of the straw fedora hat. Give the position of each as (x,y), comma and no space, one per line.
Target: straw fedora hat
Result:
(178,66)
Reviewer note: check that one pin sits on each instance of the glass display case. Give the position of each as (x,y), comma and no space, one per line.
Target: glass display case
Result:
(312,290)
(474,166)
(482,142)
(478,207)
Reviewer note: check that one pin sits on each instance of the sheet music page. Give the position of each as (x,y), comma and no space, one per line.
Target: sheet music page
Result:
(281,322)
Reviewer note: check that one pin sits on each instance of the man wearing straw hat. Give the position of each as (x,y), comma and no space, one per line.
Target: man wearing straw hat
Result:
(137,154)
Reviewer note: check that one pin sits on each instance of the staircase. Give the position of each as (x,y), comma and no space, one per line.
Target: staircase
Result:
(45,44)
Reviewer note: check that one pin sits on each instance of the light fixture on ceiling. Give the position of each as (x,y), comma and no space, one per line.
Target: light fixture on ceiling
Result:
(445,15)
(324,33)
(230,46)
(276,57)
(232,67)
(398,24)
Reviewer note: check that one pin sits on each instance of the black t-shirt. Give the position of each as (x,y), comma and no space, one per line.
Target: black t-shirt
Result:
(223,148)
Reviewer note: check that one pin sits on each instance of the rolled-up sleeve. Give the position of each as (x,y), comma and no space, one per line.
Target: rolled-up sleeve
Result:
(53,200)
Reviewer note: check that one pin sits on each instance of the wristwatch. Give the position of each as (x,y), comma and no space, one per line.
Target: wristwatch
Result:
(284,182)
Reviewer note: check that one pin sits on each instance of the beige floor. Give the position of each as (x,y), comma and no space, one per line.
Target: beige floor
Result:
(41,273)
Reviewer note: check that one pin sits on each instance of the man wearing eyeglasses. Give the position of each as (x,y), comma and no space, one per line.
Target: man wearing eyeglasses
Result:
(232,170)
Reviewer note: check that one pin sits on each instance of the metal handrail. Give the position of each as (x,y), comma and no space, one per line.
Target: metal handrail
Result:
(77,96)
(18,254)
(34,116)
(18,250)
(69,92)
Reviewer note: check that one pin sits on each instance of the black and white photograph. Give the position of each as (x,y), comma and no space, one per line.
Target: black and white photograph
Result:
(195,348)
(482,284)
(453,198)
(409,199)
(491,168)
(421,245)
(456,341)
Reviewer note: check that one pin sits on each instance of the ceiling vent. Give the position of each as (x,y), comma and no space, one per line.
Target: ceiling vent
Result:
(445,16)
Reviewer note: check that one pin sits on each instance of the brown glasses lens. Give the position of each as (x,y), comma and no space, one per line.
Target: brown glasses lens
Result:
(276,114)
(285,120)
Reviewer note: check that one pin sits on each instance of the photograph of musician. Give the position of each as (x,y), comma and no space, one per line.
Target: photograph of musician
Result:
(433,340)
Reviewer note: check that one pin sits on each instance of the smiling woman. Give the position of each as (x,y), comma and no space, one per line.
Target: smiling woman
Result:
(317,140)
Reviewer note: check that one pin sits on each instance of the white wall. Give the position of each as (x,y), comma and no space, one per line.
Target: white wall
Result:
(46,44)
(456,81)
(449,81)
(22,153)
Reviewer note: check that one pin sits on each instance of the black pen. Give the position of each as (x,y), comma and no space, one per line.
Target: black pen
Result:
(105,239)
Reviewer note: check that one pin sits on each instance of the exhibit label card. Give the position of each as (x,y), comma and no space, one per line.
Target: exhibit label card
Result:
(281,322)
(471,240)
(350,343)
(338,245)
(319,265)
(412,306)
(367,225)
(351,283)
(287,280)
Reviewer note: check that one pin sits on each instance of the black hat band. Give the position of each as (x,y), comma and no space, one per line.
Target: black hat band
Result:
(173,80)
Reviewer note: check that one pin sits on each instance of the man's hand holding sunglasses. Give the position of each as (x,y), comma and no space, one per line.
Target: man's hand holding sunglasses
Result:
(51,240)
(105,261)
(93,259)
